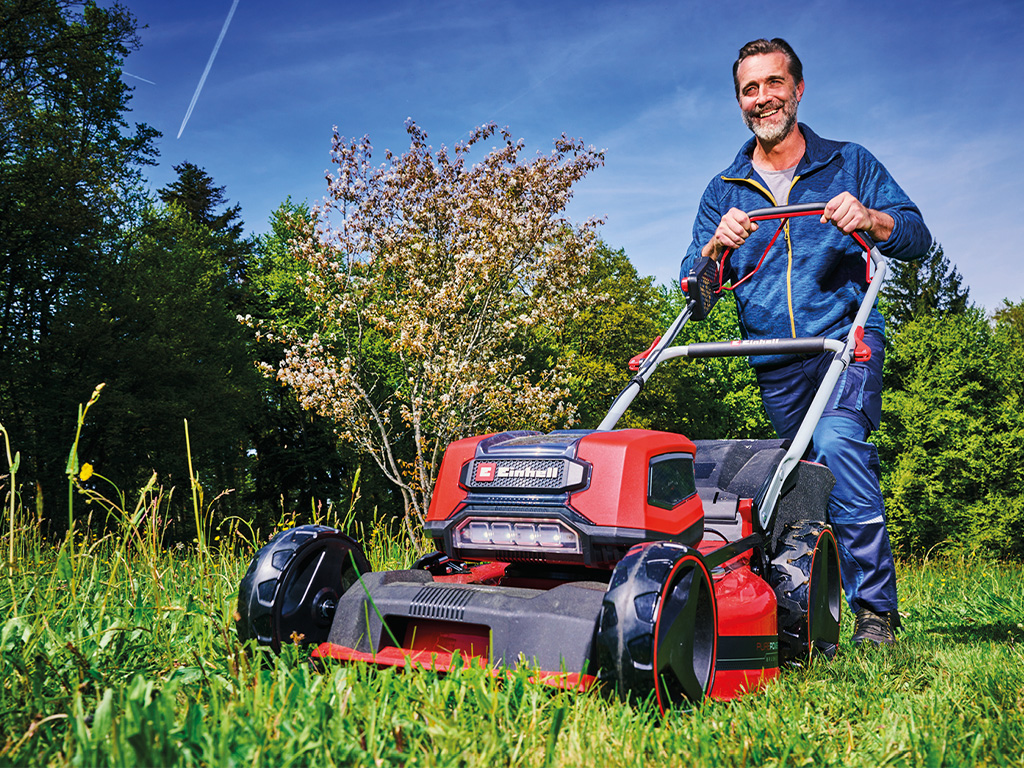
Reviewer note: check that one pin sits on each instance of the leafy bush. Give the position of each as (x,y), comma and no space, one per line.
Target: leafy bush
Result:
(952,438)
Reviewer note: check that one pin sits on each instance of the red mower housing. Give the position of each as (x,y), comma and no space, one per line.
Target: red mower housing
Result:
(527,496)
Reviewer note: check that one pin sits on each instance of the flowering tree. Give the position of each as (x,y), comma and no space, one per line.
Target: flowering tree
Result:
(433,281)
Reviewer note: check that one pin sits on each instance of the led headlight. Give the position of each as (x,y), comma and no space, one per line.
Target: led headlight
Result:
(532,534)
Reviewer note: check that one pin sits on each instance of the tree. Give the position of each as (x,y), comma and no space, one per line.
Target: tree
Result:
(951,442)
(619,317)
(930,287)
(69,179)
(166,342)
(429,275)
(298,460)
(195,193)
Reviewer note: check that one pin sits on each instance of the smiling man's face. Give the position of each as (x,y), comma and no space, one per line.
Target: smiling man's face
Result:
(768,96)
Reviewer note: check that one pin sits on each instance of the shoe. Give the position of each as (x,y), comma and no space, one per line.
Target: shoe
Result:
(874,628)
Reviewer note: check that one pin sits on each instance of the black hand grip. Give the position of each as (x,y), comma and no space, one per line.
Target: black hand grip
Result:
(702,287)
(782,211)
(813,345)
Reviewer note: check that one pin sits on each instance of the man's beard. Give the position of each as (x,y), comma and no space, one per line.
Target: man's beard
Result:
(773,133)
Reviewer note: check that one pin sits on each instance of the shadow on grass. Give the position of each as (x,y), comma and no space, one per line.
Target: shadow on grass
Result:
(1000,632)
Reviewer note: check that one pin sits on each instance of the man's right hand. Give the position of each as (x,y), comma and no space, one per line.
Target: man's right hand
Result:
(733,230)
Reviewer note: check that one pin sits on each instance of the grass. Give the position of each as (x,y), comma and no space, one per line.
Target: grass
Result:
(118,651)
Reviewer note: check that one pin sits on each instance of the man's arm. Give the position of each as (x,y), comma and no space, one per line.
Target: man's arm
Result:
(908,236)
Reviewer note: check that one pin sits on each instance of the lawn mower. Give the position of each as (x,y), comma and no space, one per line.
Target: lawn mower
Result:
(633,558)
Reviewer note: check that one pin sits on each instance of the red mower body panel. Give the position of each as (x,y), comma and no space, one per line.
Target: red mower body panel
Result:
(626,492)
(748,641)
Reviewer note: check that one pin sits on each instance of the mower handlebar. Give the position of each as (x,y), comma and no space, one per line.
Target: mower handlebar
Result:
(805,209)
(813,345)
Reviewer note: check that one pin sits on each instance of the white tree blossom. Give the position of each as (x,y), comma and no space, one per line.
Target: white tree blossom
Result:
(433,280)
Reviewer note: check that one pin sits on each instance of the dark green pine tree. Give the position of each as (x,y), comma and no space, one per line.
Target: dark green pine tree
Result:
(930,286)
(169,348)
(202,201)
(194,191)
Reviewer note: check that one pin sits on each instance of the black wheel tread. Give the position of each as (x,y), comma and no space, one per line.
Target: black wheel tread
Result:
(625,638)
(791,580)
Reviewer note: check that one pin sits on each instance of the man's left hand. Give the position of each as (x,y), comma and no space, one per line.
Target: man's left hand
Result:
(849,215)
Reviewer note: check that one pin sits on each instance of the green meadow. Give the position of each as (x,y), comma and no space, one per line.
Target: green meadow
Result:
(117,650)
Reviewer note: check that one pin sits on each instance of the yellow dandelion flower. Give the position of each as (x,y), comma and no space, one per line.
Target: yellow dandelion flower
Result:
(86,472)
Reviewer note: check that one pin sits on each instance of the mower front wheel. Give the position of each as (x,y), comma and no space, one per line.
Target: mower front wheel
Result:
(657,628)
(292,586)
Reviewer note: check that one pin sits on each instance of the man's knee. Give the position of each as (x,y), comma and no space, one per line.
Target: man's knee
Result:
(842,441)
(841,445)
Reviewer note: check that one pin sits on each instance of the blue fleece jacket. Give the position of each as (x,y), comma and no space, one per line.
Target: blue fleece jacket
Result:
(813,279)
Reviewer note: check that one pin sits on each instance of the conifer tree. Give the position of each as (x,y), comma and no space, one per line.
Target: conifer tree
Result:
(928,287)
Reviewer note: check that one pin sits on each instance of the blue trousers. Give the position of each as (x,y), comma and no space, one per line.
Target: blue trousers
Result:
(855,510)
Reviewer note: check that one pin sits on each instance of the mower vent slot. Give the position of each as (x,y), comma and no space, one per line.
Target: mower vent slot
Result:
(440,603)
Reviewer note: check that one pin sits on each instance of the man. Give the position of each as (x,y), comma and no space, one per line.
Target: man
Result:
(811,284)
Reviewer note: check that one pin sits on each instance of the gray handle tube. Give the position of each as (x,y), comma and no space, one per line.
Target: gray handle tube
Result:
(769,498)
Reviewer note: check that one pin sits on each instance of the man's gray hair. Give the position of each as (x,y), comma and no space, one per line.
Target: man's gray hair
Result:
(762,46)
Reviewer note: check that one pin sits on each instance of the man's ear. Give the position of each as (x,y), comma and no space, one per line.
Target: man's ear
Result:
(799,90)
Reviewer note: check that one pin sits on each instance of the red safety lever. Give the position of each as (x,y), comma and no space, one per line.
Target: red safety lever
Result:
(634,362)
(861,352)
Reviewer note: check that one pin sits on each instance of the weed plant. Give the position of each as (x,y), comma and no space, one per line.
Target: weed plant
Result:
(117,650)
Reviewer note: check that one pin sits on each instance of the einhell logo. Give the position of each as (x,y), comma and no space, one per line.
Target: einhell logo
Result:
(485,472)
(550,473)
(489,471)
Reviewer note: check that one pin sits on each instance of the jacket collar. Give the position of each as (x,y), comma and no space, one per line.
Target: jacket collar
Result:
(817,153)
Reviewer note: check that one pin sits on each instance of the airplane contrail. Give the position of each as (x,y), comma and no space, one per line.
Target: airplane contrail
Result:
(129,74)
(213,55)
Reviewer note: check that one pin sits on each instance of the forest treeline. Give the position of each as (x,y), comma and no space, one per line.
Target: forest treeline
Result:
(353,359)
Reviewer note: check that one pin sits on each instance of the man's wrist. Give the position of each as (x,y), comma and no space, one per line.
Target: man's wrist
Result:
(882,225)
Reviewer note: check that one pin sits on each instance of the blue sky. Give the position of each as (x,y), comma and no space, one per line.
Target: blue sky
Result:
(928,87)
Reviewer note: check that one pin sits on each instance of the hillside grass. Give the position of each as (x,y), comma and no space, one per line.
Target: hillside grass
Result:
(118,651)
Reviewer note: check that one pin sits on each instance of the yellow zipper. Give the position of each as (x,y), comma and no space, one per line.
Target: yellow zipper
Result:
(756,185)
(789,267)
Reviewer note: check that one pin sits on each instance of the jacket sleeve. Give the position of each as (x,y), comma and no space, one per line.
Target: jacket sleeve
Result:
(704,226)
(910,238)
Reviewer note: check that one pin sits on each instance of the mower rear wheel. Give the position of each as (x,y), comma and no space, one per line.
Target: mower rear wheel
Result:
(806,580)
(657,628)
(292,586)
